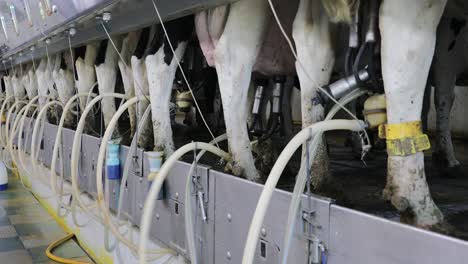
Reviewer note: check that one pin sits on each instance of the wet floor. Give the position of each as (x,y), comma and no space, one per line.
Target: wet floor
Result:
(26,229)
(359,186)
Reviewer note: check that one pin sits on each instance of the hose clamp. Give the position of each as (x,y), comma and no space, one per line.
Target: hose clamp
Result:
(404,139)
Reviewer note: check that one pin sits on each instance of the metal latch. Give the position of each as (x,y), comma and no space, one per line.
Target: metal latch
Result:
(136,166)
(316,250)
(198,188)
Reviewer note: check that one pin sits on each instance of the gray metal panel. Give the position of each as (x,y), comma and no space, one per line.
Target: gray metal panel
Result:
(139,184)
(15,139)
(23,135)
(129,188)
(168,217)
(50,132)
(126,16)
(236,200)
(67,137)
(204,231)
(28,130)
(42,141)
(357,237)
(89,153)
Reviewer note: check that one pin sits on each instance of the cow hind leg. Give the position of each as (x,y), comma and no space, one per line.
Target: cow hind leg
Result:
(234,57)
(408,42)
(444,154)
(141,90)
(312,38)
(160,78)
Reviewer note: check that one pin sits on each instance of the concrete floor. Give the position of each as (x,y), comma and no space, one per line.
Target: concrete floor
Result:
(359,186)
(26,229)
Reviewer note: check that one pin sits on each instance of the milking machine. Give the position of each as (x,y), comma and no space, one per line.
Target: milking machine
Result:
(265,124)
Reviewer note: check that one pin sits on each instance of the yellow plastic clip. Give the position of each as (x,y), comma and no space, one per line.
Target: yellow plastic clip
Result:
(404,139)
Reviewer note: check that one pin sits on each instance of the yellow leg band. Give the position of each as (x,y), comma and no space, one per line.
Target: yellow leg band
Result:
(404,139)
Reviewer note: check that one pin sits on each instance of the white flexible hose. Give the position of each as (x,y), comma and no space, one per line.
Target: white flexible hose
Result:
(189,233)
(39,126)
(21,150)
(14,108)
(128,161)
(20,139)
(129,157)
(103,204)
(156,187)
(281,162)
(302,178)
(21,146)
(57,143)
(76,152)
(10,143)
(2,112)
(123,183)
(20,118)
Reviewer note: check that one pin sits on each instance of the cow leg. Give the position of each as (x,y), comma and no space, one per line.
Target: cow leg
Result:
(106,74)
(127,80)
(408,30)
(85,72)
(160,79)
(141,90)
(444,155)
(426,105)
(314,49)
(42,79)
(234,57)
(65,89)
(128,47)
(448,63)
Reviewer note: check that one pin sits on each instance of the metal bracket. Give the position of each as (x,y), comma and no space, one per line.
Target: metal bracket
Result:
(136,164)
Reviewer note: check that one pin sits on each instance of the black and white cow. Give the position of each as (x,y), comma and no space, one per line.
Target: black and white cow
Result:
(232,39)
(450,63)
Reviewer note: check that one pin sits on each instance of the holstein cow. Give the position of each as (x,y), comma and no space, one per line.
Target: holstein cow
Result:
(85,71)
(232,40)
(16,81)
(450,62)
(106,74)
(161,66)
(30,82)
(141,51)
(45,82)
(237,40)
(407,44)
(64,81)
(408,31)
(128,47)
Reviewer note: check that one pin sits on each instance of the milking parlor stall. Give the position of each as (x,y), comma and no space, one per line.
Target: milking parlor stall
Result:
(249,131)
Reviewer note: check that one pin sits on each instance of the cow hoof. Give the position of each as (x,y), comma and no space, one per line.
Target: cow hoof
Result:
(443,228)
(232,167)
(454,172)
